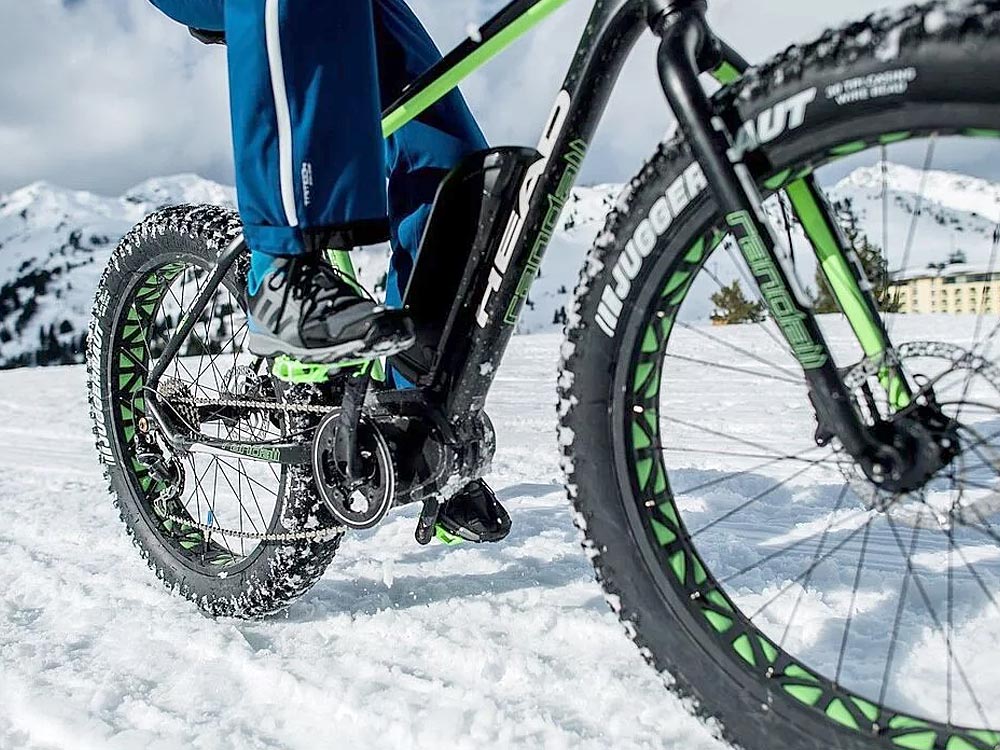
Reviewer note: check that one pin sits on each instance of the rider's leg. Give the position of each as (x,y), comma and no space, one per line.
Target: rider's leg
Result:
(418,156)
(206,15)
(309,173)
(423,151)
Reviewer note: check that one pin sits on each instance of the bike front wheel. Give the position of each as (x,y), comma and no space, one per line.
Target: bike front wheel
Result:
(796,602)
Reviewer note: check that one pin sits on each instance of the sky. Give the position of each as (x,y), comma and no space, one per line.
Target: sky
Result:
(102,94)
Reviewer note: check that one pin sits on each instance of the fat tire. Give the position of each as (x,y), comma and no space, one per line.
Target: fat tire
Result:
(953,48)
(278,573)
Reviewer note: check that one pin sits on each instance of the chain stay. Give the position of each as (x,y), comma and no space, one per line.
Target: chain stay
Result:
(321,534)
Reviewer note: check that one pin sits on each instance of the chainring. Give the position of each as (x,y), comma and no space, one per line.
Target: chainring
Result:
(356,504)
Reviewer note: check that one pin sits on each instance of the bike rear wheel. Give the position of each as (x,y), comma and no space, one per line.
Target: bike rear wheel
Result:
(210,533)
(796,602)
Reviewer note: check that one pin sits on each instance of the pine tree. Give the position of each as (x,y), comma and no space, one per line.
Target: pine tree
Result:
(872,259)
(732,306)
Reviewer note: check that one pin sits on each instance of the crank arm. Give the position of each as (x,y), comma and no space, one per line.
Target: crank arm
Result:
(272,453)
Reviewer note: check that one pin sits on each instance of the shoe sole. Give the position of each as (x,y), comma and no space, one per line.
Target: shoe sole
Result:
(377,343)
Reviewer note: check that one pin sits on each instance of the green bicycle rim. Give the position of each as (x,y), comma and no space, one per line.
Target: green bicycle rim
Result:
(683,566)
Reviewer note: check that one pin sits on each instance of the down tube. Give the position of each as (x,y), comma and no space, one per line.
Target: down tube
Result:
(611,32)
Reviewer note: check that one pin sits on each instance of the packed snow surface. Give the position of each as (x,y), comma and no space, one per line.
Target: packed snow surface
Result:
(508,645)
(398,646)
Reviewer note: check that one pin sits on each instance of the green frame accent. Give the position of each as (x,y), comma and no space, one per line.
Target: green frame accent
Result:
(289,370)
(833,261)
(726,73)
(397,118)
(838,274)
(341,260)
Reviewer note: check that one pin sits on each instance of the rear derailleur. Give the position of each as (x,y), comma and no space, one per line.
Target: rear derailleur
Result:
(166,471)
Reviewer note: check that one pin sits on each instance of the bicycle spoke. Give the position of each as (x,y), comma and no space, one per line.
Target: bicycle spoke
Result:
(854,597)
(789,375)
(819,551)
(201,492)
(772,458)
(826,556)
(898,619)
(732,368)
(817,558)
(239,499)
(717,433)
(968,566)
(751,470)
(979,322)
(951,621)
(249,478)
(917,212)
(936,620)
(250,482)
(884,171)
(756,498)
(752,285)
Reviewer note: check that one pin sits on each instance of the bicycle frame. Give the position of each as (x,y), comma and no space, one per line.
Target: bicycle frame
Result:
(688,48)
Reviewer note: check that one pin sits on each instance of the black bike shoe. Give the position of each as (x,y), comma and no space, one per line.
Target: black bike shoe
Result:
(307,310)
(475,515)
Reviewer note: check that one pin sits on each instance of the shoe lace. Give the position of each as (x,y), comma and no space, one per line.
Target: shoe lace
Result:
(321,288)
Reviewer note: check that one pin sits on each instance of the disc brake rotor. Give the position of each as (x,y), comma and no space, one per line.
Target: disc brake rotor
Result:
(957,494)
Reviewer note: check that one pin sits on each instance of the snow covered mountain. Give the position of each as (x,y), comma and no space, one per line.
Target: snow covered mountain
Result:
(958,213)
(54,243)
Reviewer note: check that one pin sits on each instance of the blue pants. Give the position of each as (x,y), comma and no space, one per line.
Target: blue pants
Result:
(307,84)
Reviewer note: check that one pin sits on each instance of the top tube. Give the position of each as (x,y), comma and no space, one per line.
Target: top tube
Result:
(513,21)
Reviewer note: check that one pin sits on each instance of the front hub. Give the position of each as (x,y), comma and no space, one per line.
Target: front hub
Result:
(919,444)
(940,442)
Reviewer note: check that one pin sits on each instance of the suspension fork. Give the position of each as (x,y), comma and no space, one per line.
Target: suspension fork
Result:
(687,49)
(841,268)
(850,286)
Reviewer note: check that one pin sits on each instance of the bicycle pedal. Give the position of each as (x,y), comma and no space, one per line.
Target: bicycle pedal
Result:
(290,370)
(427,524)
(446,537)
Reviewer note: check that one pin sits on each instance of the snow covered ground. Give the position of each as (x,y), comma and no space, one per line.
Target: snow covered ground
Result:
(494,646)
(397,647)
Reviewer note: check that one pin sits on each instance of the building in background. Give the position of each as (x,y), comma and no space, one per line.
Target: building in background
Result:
(956,288)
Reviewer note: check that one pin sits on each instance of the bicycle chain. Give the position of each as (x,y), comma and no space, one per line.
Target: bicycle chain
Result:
(323,534)
(240,403)
(188,402)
